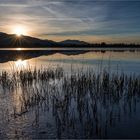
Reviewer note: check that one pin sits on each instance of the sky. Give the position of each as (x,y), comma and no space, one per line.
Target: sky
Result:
(111,21)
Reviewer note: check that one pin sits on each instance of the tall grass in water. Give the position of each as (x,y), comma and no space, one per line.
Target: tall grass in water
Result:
(83,104)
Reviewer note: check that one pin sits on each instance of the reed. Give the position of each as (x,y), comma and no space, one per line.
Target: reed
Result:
(82,99)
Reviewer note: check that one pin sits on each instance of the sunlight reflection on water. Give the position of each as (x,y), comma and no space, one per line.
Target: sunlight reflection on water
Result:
(20,64)
(125,61)
(60,103)
(18,49)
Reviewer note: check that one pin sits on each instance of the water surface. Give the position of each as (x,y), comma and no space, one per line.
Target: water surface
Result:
(66,110)
(121,61)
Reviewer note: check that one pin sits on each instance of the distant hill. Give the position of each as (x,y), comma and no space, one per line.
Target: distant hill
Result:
(13,41)
(76,42)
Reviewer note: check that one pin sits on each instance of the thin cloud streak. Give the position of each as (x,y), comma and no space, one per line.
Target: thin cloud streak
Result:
(71,17)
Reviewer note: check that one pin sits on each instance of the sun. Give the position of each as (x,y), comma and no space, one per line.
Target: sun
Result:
(19,30)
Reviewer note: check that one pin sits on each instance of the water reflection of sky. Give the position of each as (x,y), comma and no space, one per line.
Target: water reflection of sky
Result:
(40,122)
(127,62)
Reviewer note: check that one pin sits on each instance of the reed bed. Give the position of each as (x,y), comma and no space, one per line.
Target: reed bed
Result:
(83,104)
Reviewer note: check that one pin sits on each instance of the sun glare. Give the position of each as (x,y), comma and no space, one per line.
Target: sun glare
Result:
(21,63)
(19,30)
(18,49)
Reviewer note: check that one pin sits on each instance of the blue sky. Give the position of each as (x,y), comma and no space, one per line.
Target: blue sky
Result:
(89,20)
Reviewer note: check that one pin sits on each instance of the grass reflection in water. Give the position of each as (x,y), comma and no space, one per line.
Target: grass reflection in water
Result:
(83,104)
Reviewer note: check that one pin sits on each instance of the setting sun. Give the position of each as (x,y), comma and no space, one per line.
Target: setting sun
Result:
(19,30)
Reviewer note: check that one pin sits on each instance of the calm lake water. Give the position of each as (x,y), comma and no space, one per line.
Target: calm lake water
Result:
(116,61)
(77,118)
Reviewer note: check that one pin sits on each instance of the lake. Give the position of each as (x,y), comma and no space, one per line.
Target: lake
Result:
(65,93)
(97,59)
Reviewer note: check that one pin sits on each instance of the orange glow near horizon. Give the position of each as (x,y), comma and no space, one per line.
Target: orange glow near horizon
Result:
(18,49)
(19,30)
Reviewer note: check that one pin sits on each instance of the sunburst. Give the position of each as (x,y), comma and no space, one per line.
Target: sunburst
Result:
(19,30)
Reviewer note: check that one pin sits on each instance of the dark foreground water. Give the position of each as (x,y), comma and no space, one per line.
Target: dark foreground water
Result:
(67,94)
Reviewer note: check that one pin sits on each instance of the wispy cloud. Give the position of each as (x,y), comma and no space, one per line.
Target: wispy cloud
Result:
(73,17)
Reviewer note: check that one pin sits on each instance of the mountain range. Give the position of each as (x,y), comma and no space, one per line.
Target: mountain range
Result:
(14,41)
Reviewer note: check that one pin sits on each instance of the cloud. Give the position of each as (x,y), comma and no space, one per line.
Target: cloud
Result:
(73,17)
